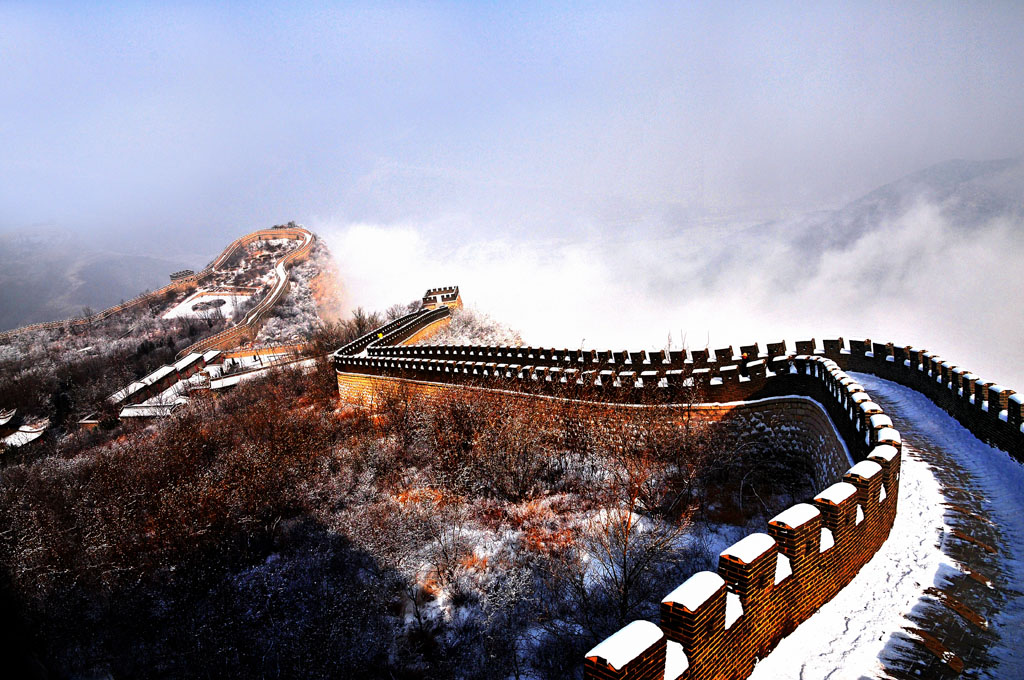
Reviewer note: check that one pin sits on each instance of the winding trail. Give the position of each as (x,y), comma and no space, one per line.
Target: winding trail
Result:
(968,621)
(942,598)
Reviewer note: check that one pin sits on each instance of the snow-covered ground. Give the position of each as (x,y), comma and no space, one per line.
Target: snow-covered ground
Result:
(184,309)
(295,317)
(998,480)
(850,637)
(845,638)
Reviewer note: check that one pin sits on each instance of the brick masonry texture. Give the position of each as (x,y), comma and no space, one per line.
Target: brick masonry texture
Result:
(801,400)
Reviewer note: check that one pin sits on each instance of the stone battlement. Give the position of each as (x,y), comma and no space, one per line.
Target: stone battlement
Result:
(717,624)
(446,296)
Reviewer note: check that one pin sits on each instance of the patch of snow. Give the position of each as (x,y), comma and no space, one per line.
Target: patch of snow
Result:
(783,568)
(796,516)
(229,308)
(837,493)
(186,361)
(676,662)
(627,643)
(880,420)
(870,407)
(889,435)
(882,494)
(750,548)
(26,434)
(866,469)
(827,539)
(860,515)
(884,451)
(733,609)
(696,590)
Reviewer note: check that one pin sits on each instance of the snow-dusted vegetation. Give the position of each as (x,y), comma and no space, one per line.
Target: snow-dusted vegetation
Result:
(464,537)
(296,317)
(470,326)
(65,374)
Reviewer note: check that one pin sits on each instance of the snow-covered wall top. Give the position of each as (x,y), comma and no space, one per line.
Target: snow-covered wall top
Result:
(796,568)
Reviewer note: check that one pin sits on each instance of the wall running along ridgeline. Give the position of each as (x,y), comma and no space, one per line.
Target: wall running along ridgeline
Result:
(717,625)
(245,329)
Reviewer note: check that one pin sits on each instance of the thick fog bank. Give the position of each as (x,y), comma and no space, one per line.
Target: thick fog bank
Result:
(931,260)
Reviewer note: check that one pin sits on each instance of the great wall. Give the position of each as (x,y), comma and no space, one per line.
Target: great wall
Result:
(715,624)
(718,625)
(184,280)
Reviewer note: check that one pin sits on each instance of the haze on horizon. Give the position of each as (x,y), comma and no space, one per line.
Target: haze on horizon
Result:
(613,158)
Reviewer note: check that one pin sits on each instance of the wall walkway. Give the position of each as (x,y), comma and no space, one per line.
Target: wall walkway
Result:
(718,624)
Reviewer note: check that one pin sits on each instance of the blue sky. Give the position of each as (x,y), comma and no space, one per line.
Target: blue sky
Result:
(486,118)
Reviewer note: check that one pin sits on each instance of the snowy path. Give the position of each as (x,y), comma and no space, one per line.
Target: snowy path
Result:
(935,601)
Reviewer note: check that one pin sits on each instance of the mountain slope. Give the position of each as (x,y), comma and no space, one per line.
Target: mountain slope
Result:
(49,274)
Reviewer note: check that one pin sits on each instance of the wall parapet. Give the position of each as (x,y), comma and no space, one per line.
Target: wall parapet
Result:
(810,551)
(990,411)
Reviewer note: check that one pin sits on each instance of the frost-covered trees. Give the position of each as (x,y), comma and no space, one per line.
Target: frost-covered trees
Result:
(469,326)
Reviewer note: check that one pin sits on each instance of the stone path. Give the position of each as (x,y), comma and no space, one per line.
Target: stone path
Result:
(969,622)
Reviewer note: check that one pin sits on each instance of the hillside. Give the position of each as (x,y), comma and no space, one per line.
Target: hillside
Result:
(47,274)
(57,375)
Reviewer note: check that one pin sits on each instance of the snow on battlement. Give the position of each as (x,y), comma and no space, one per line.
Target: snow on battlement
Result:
(627,644)
(695,590)
(749,548)
(866,469)
(837,493)
(796,516)
(884,452)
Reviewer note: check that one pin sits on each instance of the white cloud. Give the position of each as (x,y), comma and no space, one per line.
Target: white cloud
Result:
(917,279)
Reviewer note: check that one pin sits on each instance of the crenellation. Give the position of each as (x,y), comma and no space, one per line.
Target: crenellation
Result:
(833,347)
(805,347)
(725,355)
(798,573)
(699,358)
(860,347)
(797,535)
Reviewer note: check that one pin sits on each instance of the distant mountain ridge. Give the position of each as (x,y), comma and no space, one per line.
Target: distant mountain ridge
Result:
(48,274)
(969,193)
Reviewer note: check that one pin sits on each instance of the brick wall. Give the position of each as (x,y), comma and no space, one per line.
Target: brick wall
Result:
(775,393)
(790,423)
(802,402)
(991,412)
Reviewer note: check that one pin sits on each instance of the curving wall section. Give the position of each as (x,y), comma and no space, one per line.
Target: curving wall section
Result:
(247,328)
(181,280)
(717,625)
